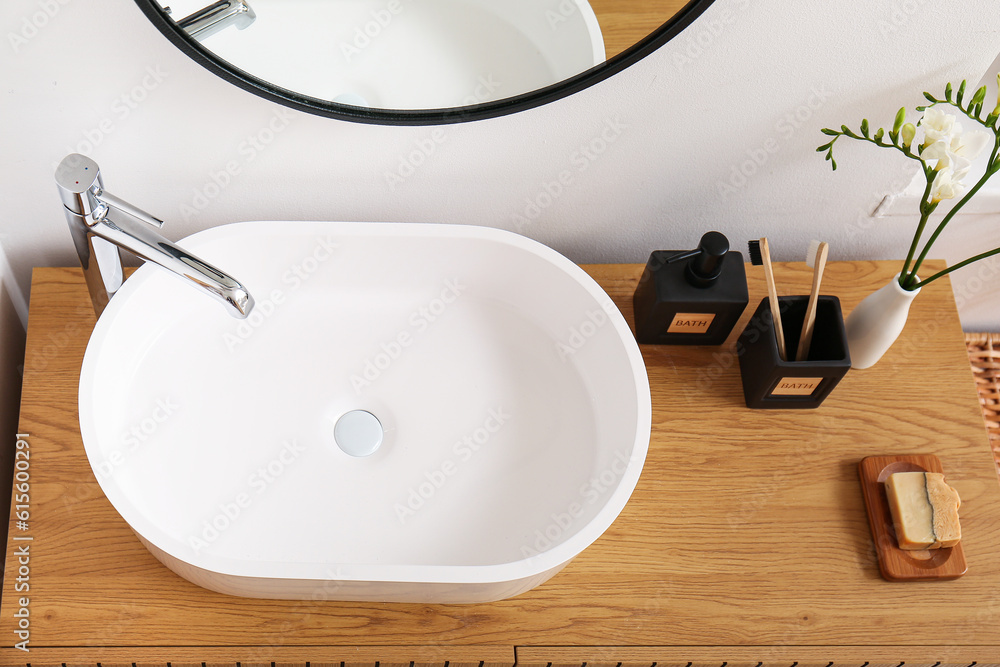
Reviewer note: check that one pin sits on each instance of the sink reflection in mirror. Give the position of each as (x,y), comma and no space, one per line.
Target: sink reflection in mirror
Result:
(426,62)
(402,54)
(411,413)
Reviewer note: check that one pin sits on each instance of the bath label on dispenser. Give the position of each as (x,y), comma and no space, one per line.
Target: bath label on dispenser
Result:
(691,322)
(796,386)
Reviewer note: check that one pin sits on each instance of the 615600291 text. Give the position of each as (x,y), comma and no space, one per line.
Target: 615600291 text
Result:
(22,543)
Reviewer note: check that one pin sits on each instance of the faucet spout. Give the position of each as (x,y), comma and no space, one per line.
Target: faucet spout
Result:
(101,224)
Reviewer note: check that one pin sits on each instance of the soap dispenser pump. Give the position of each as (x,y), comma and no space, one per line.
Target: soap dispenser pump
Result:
(692,297)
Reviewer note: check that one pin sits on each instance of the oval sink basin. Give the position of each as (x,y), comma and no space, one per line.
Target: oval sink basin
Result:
(414,55)
(412,413)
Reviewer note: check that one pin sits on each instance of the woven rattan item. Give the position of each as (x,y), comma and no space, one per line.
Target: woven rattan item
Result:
(984,355)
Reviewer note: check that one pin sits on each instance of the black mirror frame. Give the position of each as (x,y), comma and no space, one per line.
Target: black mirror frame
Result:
(682,19)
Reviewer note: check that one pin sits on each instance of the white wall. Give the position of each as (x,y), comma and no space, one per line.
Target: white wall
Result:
(747,80)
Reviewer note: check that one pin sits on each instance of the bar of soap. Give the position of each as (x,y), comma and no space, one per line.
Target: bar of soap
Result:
(924,510)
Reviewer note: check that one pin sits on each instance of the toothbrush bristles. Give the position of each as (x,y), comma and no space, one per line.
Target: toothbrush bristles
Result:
(811,253)
(753,249)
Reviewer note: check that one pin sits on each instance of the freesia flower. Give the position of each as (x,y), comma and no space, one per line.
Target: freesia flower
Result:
(938,126)
(945,156)
(950,170)
(936,151)
(946,185)
(969,144)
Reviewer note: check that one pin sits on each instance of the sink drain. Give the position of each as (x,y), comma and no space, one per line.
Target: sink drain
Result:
(358,433)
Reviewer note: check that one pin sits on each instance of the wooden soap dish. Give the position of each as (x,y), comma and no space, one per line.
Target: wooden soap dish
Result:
(894,563)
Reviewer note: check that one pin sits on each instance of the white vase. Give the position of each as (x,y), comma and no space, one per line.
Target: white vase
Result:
(878,320)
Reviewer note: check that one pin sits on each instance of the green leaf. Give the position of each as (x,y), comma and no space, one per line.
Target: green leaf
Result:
(976,110)
(864,127)
(824,147)
(992,118)
(894,136)
(833,163)
(961,94)
(930,97)
(947,92)
(900,119)
(832,133)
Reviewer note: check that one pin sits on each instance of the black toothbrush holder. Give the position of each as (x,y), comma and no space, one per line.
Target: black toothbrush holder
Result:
(770,382)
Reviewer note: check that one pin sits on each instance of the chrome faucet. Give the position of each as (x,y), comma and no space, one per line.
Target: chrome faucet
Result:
(219,15)
(102,223)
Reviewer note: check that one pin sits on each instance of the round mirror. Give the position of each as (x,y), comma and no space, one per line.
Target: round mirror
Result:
(418,61)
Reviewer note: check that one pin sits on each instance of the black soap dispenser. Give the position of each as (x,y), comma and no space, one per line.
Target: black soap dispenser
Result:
(691,297)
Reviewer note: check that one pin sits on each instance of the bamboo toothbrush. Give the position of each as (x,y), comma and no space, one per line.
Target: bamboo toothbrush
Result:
(761,254)
(816,260)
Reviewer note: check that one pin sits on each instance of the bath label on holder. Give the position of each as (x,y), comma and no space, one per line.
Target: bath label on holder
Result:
(796,386)
(691,322)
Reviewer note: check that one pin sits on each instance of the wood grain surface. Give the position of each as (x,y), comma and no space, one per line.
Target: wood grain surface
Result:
(746,538)
(626,22)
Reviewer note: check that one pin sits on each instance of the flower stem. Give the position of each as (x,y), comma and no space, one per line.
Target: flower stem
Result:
(965,262)
(956,207)
(925,212)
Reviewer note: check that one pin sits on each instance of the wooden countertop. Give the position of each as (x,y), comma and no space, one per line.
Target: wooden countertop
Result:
(624,23)
(745,542)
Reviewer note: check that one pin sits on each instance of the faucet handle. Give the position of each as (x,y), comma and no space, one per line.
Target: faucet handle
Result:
(79,180)
(82,191)
(125,207)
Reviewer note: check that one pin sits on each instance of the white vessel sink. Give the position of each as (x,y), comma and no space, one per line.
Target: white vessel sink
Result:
(497,413)
(409,54)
